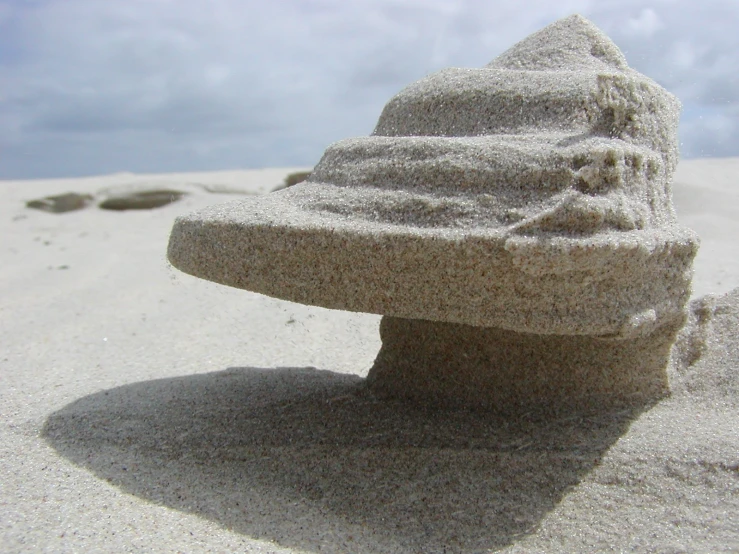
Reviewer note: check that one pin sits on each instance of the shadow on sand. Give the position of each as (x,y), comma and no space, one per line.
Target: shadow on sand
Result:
(310,460)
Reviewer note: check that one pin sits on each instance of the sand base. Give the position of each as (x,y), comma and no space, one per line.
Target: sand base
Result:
(445,364)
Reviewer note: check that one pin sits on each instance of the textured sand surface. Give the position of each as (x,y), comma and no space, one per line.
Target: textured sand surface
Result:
(147,411)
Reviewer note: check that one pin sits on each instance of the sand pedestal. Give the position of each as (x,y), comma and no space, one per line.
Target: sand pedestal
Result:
(460,366)
(514,225)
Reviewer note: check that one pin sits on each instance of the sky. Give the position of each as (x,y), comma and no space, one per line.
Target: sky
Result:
(92,87)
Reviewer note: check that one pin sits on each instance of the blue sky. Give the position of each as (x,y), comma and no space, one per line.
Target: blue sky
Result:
(93,87)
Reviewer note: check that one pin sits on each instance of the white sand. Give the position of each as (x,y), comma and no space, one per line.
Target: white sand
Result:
(146,410)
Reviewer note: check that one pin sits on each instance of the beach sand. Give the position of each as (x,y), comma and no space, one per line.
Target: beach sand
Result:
(147,410)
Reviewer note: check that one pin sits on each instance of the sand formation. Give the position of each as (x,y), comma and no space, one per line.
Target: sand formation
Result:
(130,200)
(514,225)
(292,179)
(141,200)
(61,203)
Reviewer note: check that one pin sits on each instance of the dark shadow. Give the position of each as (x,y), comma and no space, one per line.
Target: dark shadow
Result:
(310,460)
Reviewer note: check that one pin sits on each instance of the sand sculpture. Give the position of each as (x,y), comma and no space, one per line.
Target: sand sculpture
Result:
(513,224)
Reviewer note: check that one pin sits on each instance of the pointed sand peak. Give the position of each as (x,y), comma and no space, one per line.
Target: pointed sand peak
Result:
(570,43)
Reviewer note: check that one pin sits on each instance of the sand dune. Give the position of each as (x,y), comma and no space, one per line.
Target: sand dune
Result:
(146,410)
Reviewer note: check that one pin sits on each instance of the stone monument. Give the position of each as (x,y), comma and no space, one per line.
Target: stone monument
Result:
(513,224)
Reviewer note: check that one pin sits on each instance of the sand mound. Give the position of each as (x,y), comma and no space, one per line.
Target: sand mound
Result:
(706,356)
(143,200)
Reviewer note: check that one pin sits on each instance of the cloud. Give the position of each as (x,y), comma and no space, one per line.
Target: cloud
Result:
(684,54)
(710,132)
(144,85)
(645,24)
(178,111)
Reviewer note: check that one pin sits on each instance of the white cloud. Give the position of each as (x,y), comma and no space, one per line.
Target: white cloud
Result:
(645,24)
(710,132)
(684,54)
